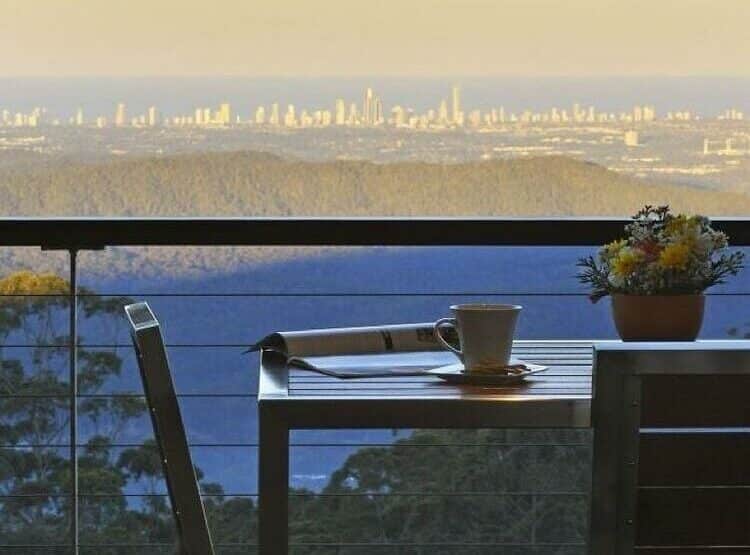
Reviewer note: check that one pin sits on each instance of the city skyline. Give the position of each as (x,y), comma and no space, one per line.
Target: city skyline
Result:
(449,113)
(412,38)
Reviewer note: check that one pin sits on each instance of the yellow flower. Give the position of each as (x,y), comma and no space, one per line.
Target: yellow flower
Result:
(626,262)
(676,225)
(675,256)
(681,224)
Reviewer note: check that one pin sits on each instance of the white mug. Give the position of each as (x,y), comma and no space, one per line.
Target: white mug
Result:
(485,333)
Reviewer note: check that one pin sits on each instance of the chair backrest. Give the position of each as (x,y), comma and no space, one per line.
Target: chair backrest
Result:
(671,470)
(179,472)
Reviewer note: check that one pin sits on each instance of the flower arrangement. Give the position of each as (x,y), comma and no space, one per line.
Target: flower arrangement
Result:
(663,254)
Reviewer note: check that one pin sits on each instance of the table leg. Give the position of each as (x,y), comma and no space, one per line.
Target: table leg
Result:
(273,483)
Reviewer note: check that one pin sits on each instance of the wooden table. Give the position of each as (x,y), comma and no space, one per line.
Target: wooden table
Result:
(559,397)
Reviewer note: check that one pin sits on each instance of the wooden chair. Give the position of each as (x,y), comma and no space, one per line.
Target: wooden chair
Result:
(182,483)
(671,471)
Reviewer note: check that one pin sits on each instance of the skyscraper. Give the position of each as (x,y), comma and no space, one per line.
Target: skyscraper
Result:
(260,115)
(274,119)
(340,118)
(398,116)
(153,117)
(79,117)
(367,107)
(225,114)
(353,115)
(443,112)
(290,118)
(120,115)
(456,115)
(377,111)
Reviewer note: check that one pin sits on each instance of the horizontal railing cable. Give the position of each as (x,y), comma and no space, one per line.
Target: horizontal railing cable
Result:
(353,295)
(314,445)
(164,495)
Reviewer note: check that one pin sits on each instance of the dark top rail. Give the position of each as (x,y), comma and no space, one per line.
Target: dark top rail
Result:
(93,233)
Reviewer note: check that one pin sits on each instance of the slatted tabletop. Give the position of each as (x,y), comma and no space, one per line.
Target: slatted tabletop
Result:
(568,376)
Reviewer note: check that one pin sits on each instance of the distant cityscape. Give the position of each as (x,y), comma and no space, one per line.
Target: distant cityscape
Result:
(370,113)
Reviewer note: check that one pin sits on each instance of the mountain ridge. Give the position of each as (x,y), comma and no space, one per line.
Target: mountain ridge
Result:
(254,183)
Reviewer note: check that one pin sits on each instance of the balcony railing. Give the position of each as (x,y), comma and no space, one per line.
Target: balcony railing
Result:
(72,357)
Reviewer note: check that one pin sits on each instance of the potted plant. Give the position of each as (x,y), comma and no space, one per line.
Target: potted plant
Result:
(656,275)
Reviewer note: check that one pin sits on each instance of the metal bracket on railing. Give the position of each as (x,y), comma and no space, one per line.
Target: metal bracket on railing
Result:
(71,248)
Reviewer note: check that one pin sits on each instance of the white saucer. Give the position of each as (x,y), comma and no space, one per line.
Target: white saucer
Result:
(456,373)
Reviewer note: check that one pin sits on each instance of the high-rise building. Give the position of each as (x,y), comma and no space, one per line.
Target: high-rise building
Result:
(290,119)
(340,118)
(275,118)
(225,114)
(352,119)
(398,116)
(630,138)
(732,114)
(578,114)
(443,113)
(475,118)
(152,118)
(367,107)
(120,115)
(377,111)
(305,120)
(456,115)
(260,115)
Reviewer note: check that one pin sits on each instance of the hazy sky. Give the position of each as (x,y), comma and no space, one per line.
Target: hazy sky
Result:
(374,37)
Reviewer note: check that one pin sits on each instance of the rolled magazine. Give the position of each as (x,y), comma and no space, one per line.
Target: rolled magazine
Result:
(361,352)
(396,338)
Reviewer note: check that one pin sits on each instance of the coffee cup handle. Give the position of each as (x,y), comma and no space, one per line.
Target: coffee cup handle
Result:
(446,322)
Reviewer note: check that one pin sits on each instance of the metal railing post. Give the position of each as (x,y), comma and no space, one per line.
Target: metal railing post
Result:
(73,392)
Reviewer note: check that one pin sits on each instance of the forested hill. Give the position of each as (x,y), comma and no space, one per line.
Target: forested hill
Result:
(258,184)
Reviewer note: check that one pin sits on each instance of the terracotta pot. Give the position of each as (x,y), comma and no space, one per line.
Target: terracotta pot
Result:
(658,317)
